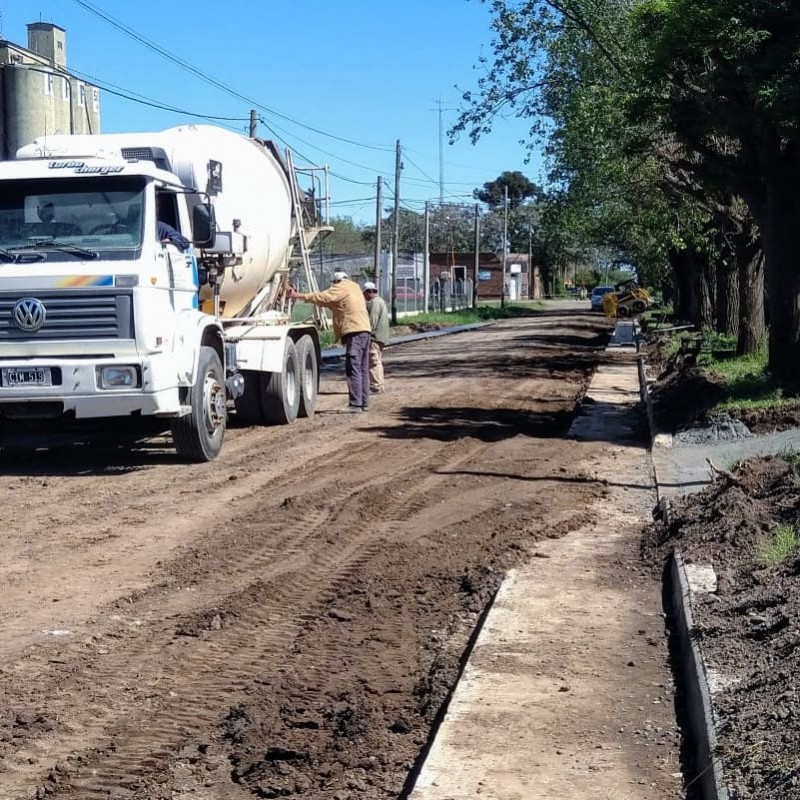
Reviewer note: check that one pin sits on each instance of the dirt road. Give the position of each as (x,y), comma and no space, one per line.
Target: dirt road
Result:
(288,619)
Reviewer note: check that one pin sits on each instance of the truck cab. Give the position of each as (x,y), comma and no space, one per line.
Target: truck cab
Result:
(98,318)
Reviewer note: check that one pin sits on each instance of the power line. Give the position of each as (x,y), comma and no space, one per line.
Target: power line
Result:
(419,169)
(360,200)
(315,147)
(197,72)
(129,94)
(187,66)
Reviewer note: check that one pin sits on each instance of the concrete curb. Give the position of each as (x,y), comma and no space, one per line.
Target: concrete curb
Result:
(644,390)
(334,353)
(657,438)
(695,677)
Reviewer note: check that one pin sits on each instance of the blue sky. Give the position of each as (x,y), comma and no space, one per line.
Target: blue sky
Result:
(363,70)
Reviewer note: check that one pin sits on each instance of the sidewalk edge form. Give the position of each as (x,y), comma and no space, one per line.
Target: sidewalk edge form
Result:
(698,700)
(657,438)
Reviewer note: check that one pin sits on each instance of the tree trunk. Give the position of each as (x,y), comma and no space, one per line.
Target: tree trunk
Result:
(706,285)
(782,259)
(727,298)
(687,306)
(752,325)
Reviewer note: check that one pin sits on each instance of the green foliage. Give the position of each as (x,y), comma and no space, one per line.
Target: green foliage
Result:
(790,456)
(485,312)
(347,237)
(519,188)
(783,543)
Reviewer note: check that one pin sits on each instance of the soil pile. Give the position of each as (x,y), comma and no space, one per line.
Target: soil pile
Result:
(682,397)
(750,627)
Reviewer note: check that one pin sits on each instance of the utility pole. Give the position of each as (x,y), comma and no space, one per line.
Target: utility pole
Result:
(505,245)
(253,123)
(378,220)
(441,155)
(476,276)
(531,287)
(426,263)
(398,165)
(440,106)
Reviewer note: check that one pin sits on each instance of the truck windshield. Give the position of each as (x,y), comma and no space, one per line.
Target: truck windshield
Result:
(100,214)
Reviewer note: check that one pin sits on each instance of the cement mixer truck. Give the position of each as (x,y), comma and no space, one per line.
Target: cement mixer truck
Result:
(100,317)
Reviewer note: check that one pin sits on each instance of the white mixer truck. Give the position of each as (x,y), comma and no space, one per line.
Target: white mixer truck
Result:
(102,317)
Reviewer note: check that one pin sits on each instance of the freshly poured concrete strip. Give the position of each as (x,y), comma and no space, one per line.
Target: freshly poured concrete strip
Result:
(566,693)
(684,469)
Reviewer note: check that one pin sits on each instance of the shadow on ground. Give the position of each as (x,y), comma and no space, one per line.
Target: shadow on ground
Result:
(489,425)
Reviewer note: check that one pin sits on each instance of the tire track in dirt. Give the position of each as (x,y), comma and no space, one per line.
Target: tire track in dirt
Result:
(127,560)
(216,666)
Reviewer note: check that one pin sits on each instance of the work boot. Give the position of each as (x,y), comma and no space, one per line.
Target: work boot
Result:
(348,409)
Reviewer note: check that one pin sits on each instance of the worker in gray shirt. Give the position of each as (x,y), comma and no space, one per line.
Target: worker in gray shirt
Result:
(379,320)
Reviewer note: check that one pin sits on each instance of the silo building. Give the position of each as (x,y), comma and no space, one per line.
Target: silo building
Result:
(38,96)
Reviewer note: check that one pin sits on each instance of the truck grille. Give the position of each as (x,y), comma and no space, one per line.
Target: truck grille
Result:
(71,314)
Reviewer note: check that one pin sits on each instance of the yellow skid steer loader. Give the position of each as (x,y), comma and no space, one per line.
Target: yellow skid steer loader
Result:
(629,300)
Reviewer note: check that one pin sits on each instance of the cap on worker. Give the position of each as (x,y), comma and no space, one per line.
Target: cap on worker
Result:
(340,276)
(369,286)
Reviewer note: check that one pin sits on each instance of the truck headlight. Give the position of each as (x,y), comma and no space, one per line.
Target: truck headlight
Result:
(118,377)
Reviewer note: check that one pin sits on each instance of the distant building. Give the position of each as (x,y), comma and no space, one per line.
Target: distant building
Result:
(38,97)
(522,280)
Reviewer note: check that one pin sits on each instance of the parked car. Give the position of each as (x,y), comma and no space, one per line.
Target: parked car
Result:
(406,294)
(598,293)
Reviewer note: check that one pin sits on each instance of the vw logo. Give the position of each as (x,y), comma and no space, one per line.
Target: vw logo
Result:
(29,314)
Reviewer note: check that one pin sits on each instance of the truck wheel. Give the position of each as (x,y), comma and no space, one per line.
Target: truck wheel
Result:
(281,390)
(639,306)
(623,311)
(309,376)
(199,435)
(249,408)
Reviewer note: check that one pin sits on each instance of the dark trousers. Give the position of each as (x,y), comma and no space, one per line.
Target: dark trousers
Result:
(357,367)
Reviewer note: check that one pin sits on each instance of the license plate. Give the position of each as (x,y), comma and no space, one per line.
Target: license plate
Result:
(26,376)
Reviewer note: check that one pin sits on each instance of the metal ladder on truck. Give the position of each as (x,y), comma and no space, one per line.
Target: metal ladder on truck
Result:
(308,228)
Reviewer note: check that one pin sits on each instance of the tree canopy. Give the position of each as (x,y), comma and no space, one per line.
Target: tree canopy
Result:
(519,187)
(672,134)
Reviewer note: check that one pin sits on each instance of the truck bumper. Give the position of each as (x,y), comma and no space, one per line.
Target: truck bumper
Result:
(75,391)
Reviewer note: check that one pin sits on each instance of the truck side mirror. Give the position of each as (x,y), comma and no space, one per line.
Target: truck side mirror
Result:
(204,225)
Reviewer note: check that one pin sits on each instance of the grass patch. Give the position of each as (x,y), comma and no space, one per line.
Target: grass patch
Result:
(789,455)
(747,384)
(784,542)
(466,316)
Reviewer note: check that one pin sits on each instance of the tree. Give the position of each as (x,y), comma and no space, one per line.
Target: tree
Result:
(724,77)
(519,188)
(347,236)
(579,71)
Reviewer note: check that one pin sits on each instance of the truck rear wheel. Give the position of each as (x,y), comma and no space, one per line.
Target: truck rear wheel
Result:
(281,390)
(199,435)
(309,376)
